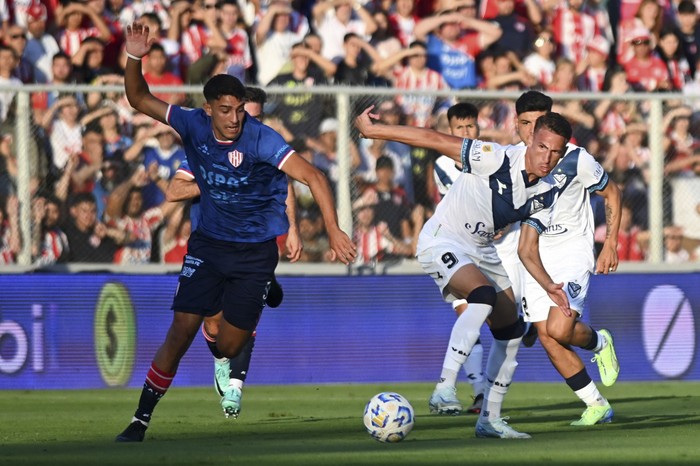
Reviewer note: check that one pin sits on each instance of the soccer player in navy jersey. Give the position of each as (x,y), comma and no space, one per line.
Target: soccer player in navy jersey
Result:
(230,374)
(501,185)
(240,166)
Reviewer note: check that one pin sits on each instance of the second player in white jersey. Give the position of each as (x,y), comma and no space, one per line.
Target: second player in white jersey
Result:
(504,185)
(569,236)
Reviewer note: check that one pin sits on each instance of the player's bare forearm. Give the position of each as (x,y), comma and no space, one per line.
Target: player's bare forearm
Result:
(607,260)
(529,252)
(341,246)
(446,144)
(180,189)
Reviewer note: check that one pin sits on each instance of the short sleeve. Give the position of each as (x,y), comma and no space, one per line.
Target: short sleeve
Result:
(480,157)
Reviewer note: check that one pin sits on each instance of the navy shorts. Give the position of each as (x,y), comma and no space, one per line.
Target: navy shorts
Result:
(226,276)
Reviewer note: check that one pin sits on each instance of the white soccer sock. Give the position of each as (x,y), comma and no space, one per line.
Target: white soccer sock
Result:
(235,383)
(134,419)
(464,334)
(473,370)
(499,372)
(221,361)
(591,396)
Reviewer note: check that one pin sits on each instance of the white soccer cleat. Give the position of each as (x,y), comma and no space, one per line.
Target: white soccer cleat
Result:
(444,401)
(497,428)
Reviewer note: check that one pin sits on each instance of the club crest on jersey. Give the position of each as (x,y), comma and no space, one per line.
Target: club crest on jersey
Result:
(560,179)
(574,289)
(235,157)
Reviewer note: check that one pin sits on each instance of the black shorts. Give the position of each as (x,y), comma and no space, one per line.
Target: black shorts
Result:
(221,275)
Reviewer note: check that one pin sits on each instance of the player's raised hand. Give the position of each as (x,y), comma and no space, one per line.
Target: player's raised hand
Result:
(137,42)
(557,294)
(364,122)
(342,248)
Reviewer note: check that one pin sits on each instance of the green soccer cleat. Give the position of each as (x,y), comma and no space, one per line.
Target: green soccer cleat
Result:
(231,402)
(497,428)
(222,371)
(606,359)
(444,401)
(595,415)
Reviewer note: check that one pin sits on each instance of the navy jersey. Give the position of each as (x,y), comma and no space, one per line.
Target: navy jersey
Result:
(243,192)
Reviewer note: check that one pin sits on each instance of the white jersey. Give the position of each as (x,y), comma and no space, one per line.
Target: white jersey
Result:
(566,246)
(573,216)
(445,174)
(494,195)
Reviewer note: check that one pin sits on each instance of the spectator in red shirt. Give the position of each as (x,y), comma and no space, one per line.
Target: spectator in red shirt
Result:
(646,72)
(157,75)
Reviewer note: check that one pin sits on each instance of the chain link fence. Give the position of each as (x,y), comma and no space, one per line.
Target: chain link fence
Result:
(68,152)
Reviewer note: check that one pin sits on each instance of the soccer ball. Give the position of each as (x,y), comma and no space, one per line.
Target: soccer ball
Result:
(388,417)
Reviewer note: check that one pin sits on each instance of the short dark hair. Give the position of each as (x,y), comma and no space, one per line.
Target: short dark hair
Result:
(418,43)
(462,110)
(224,84)
(349,36)
(80,198)
(533,101)
(157,48)
(255,95)
(61,54)
(384,162)
(687,6)
(556,123)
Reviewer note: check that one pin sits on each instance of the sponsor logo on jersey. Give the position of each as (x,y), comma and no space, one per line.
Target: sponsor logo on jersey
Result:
(555,230)
(235,157)
(487,148)
(574,289)
(478,230)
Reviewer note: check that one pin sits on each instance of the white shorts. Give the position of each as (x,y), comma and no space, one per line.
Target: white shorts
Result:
(575,274)
(441,257)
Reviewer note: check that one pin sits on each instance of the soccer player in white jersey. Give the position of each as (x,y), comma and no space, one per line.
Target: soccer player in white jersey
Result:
(507,184)
(567,252)
(462,119)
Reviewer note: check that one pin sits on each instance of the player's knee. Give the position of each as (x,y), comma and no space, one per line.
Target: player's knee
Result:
(562,336)
(229,349)
(483,295)
(211,327)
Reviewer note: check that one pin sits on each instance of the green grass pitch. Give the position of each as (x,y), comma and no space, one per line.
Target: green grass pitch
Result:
(655,423)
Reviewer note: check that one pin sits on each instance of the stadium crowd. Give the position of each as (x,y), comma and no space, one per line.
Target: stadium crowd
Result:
(99,170)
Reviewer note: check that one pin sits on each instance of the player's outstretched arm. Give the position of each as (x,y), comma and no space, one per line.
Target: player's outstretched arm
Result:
(181,187)
(607,259)
(137,92)
(529,252)
(342,248)
(446,144)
